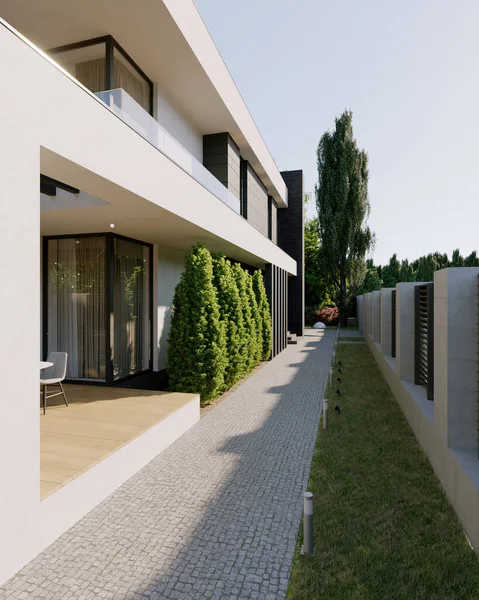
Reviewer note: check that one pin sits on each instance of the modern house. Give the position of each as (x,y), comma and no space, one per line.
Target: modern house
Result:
(124,141)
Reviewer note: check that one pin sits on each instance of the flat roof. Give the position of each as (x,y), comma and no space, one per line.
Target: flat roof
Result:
(171,43)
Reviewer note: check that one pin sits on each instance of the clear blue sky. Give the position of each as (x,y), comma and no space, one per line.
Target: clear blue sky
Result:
(409,71)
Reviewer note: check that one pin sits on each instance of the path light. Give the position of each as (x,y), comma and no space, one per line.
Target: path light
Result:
(325,413)
(308,523)
(331,376)
(334,357)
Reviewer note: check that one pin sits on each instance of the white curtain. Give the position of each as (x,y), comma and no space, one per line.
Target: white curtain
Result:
(76,304)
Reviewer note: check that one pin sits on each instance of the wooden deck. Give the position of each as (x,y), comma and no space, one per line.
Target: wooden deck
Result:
(98,422)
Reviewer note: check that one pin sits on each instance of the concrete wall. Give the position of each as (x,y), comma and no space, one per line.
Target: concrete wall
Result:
(172,119)
(446,428)
(375,316)
(456,357)
(169,267)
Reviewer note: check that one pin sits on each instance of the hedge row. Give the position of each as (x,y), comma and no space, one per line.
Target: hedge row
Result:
(220,326)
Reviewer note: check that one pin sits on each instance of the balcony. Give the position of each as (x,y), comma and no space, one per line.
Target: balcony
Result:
(129,111)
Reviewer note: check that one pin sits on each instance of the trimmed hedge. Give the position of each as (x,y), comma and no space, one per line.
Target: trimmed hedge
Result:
(264,311)
(220,327)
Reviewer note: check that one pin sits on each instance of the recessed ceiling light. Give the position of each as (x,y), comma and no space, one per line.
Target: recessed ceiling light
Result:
(112,225)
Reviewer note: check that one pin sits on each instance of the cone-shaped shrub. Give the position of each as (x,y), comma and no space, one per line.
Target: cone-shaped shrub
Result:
(197,342)
(249,339)
(265,313)
(232,316)
(257,331)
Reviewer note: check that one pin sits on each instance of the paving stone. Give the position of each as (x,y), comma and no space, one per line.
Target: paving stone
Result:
(216,515)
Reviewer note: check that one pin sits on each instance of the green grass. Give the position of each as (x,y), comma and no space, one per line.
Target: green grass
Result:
(345,338)
(383,527)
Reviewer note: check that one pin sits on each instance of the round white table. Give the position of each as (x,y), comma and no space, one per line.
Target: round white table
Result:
(44,364)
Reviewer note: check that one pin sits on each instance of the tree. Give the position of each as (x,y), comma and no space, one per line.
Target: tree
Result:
(265,314)
(197,342)
(405,272)
(232,316)
(371,283)
(249,346)
(343,208)
(457,260)
(471,260)
(390,273)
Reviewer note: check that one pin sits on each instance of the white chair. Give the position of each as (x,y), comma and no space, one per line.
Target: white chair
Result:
(54,375)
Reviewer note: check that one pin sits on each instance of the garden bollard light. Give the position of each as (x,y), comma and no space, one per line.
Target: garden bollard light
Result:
(334,357)
(325,413)
(331,376)
(308,523)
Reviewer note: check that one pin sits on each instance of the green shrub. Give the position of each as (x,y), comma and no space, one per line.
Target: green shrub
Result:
(249,348)
(232,316)
(265,314)
(257,331)
(197,341)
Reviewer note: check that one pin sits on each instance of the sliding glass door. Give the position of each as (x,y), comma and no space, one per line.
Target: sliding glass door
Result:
(131,308)
(76,304)
(98,305)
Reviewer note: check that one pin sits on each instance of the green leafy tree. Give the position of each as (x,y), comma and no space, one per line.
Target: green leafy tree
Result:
(425,269)
(390,273)
(343,209)
(232,316)
(265,315)
(197,341)
(457,260)
(471,260)
(371,283)
(317,292)
(406,272)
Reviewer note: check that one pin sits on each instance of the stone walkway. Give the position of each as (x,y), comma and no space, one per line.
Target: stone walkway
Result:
(214,516)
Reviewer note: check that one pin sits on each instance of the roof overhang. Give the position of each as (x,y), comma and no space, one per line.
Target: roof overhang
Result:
(171,43)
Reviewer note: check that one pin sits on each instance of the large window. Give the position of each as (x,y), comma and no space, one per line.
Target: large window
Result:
(101,64)
(98,305)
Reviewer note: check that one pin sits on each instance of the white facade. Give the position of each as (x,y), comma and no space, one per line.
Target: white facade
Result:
(52,125)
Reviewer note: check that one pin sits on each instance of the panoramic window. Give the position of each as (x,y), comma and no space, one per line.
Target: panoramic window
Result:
(101,64)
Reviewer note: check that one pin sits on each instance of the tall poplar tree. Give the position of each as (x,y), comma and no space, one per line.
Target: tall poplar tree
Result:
(343,209)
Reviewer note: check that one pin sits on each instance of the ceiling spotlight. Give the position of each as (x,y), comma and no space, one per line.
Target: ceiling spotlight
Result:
(112,225)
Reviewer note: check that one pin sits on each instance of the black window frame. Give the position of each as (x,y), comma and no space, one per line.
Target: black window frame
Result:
(110,46)
(109,265)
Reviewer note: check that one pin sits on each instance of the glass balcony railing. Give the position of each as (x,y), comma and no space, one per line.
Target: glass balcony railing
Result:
(143,123)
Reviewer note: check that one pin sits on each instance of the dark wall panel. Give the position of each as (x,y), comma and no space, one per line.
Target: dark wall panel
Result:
(291,240)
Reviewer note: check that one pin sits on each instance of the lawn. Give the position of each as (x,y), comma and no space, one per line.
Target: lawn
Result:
(383,527)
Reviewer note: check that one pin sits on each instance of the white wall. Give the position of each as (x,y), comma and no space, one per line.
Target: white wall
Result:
(170,265)
(176,124)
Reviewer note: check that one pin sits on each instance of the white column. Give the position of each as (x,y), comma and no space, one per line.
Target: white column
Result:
(456,356)
(386,324)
